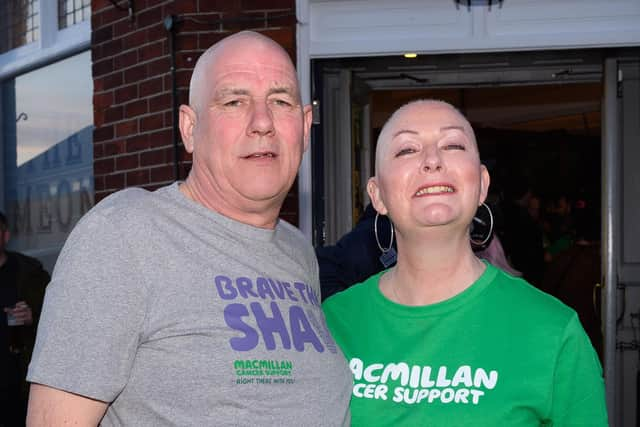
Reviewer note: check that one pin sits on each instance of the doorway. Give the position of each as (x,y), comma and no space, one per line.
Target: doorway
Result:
(534,112)
(541,114)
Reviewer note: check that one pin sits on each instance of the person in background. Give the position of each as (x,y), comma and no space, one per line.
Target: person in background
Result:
(521,235)
(561,228)
(22,286)
(195,305)
(494,254)
(574,273)
(444,338)
(356,255)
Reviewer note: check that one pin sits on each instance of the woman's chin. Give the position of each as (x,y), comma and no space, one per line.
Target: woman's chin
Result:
(435,216)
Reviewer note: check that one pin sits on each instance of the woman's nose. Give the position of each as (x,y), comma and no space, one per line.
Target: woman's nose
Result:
(432,160)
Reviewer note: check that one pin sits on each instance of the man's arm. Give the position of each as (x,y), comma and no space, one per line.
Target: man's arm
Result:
(52,407)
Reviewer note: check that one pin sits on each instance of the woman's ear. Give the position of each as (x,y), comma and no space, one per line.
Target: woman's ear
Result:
(485,180)
(374,194)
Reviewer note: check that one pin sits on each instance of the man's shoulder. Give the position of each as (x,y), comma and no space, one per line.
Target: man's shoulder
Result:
(126,210)
(291,231)
(294,237)
(130,203)
(296,244)
(127,199)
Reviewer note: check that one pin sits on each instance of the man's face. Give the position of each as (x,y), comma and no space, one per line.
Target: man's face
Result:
(250,129)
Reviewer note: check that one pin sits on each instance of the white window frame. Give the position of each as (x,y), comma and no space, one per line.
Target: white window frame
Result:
(52,45)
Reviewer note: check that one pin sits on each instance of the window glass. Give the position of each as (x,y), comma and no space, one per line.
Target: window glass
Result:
(19,23)
(72,12)
(48,154)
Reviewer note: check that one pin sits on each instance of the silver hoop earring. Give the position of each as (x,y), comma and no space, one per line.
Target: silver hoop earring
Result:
(389,255)
(490,233)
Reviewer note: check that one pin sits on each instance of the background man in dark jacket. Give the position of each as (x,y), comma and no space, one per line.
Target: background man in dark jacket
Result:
(356,256)
(22,285)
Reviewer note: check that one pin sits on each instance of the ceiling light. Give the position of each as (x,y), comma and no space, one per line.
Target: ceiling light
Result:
(410,55)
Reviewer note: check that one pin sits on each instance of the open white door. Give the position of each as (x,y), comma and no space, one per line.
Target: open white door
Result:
(336,125)
(621,237)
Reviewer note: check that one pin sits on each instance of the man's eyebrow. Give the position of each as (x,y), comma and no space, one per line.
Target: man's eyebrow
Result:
(232,91)
(287,90)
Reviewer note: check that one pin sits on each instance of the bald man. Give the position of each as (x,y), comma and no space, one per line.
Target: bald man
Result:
(194,304)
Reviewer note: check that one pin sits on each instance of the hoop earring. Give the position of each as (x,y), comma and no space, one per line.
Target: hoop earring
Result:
(490,233)
(389,255)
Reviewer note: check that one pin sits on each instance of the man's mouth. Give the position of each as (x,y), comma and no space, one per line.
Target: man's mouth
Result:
(435,189)
(267,154)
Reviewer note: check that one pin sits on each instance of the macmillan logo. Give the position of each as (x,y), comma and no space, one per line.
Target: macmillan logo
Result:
(261,371)
(254,310)
(402,383)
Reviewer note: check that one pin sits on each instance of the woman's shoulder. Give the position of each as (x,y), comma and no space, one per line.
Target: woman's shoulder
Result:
(353,296)
(523,297)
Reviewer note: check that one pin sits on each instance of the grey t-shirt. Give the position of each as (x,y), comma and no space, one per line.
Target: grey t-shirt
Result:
(180,316)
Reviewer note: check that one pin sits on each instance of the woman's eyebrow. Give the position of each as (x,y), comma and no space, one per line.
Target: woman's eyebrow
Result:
(403,131)
(452,127)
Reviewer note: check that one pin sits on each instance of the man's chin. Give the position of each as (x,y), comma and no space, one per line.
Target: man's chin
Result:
(266,198)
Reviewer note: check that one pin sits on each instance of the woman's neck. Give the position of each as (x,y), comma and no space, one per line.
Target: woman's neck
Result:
(431,270)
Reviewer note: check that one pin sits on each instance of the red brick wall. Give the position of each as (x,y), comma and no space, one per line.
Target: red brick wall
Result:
(132,101)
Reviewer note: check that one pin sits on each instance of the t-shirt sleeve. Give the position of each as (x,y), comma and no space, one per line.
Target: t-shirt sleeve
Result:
(93,313)
(578,394)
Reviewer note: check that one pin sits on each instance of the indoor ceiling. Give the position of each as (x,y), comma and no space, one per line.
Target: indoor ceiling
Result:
(532,91)
(572,108)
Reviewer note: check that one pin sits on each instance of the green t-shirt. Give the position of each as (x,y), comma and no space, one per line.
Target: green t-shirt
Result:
(501,353)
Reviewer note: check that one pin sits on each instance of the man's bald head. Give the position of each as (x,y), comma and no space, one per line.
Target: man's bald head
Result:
(245,127)
(239,41)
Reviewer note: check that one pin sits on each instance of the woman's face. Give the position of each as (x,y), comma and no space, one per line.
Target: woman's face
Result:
(428,169)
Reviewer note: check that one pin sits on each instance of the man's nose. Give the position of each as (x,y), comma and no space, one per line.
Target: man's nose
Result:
(261,119)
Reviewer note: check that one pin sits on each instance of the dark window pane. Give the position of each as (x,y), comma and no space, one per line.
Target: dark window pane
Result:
(71,12)
(48,154)
(19,23)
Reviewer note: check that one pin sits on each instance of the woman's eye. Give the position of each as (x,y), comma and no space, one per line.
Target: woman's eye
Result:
(454,146)
(405,151)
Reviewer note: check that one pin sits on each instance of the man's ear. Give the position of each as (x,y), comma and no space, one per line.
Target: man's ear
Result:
(307,111)
(485,180)
(6,235)
(187,122)
(374,194)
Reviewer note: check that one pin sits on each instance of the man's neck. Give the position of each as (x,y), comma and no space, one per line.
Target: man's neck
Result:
(3,258)
(266,218)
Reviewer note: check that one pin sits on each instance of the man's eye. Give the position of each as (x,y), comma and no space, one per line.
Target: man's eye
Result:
(232,103)
(282,102)
(455,147)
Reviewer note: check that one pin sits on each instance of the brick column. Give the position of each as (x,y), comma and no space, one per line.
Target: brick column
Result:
(132,101)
